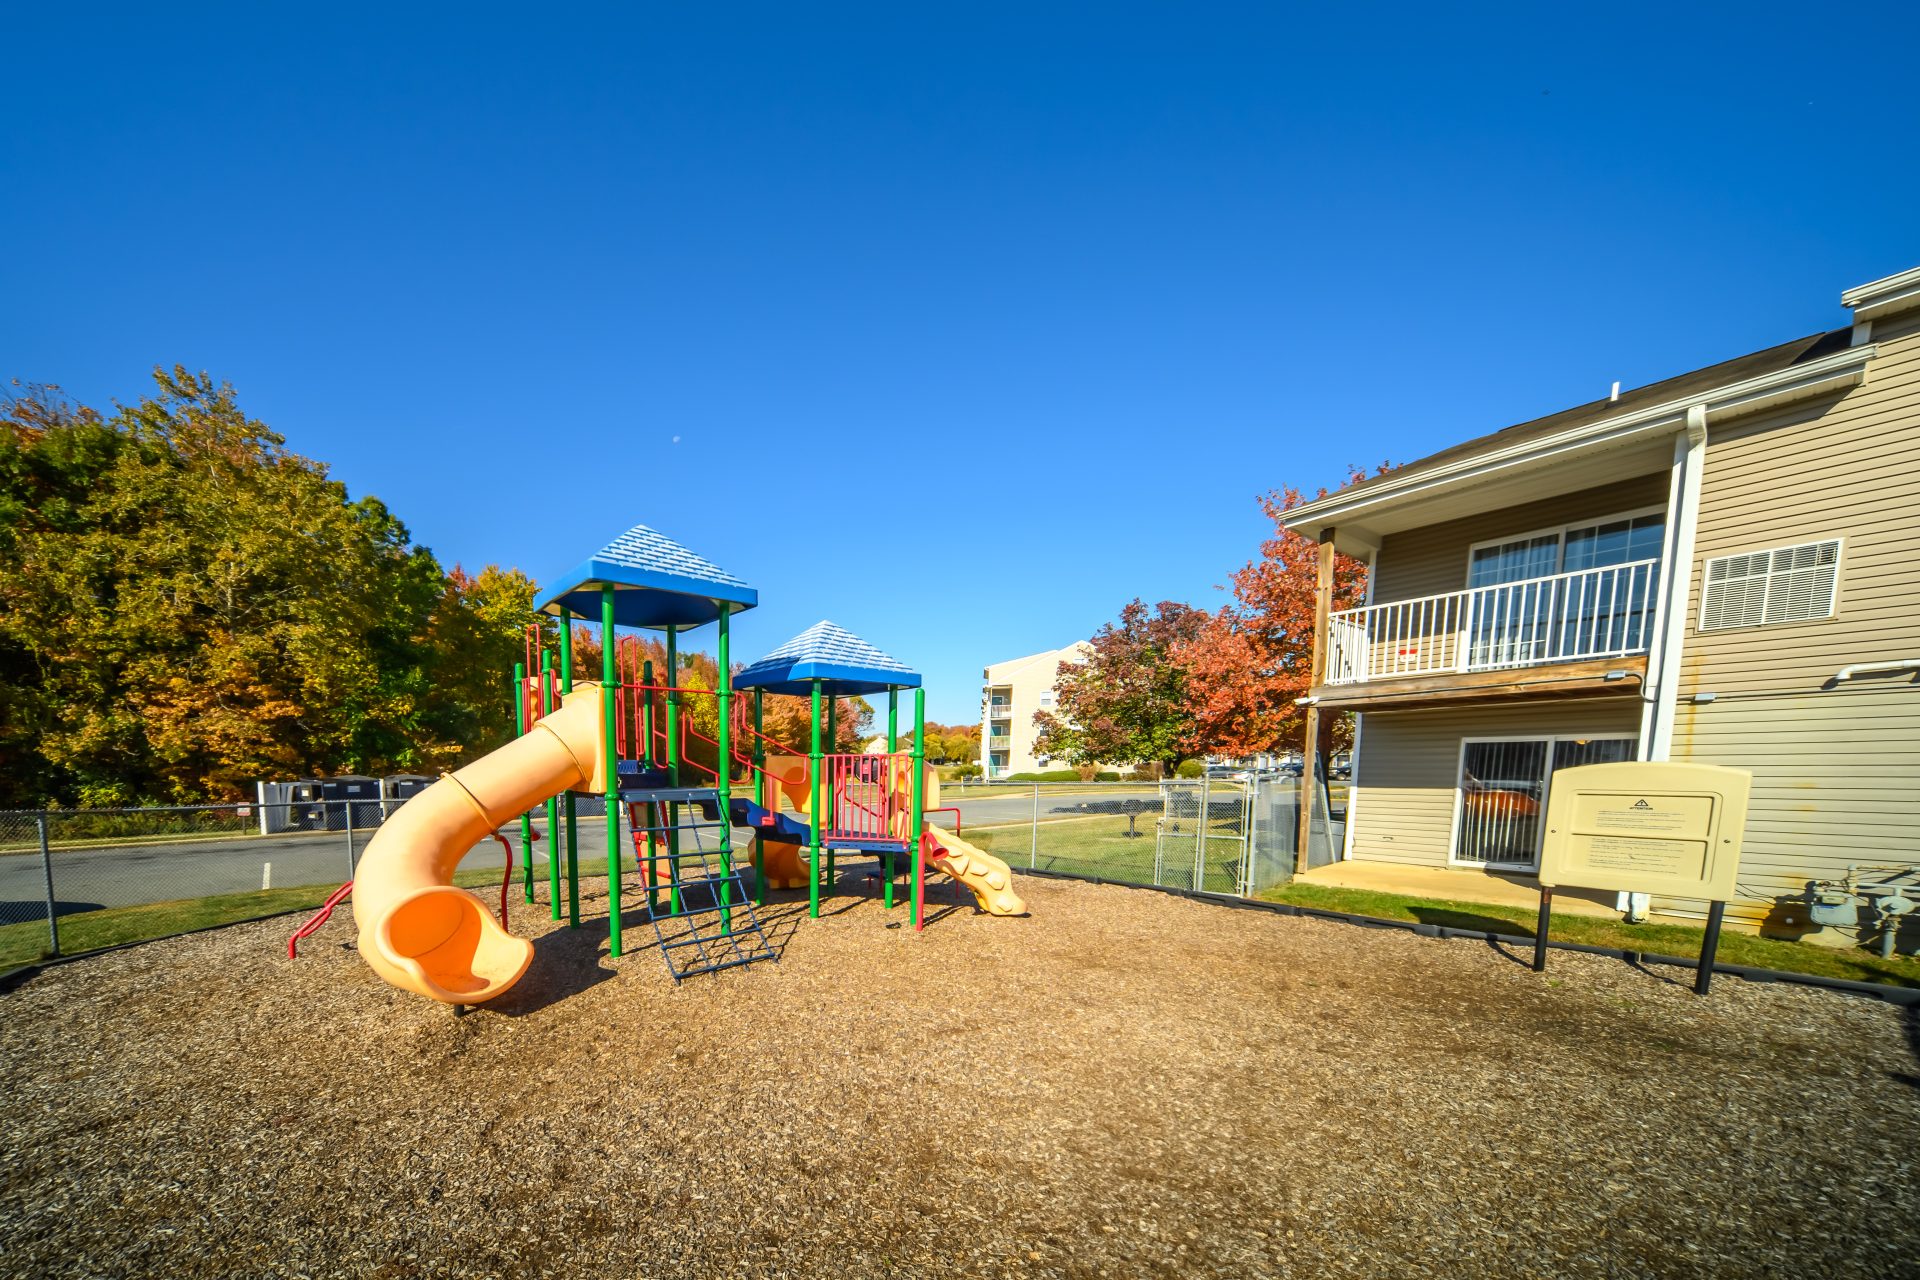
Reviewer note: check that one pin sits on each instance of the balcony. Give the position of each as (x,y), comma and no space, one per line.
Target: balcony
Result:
(1592,625)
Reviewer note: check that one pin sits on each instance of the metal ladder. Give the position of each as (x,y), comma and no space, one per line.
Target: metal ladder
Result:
(702,916)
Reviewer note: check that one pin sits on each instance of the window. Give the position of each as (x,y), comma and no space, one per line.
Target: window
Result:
(1594,545)
(1515,619)
(1760,588)
(1504,786)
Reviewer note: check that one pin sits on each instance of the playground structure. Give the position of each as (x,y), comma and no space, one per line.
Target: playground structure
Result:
(625,738)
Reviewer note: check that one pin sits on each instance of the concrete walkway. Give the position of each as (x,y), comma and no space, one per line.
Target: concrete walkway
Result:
(1458,884)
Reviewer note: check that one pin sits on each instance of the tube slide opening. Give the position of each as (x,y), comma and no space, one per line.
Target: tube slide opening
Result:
(448,939)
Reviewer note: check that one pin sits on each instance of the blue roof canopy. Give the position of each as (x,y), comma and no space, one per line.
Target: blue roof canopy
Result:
(656,581)
(844,664)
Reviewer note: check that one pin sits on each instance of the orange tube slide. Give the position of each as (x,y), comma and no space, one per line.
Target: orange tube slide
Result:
(419,931)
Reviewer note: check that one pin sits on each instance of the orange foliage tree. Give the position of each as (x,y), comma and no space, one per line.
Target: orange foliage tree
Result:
(1254,657)
(786,720)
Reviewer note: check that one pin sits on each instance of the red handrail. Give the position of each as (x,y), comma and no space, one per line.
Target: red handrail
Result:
(339,895)
(947,808)
(506,880)
(317,919)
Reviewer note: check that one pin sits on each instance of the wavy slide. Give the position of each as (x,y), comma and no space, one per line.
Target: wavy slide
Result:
(417,929)
(986,877)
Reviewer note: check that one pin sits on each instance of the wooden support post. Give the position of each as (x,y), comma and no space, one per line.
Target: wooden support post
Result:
(1317,674)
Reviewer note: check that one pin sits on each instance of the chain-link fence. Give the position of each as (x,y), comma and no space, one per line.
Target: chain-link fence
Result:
(1235,835)
(74,880)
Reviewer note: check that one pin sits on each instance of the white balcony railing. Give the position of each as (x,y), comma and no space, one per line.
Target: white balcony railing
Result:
(1565,617)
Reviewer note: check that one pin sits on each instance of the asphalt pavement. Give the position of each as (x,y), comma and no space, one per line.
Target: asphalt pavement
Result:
(87,879)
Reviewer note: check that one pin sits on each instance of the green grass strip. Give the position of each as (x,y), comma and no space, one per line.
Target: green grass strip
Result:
(1666,939)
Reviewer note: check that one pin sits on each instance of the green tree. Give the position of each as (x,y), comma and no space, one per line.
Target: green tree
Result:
(186,606)
(1127,702)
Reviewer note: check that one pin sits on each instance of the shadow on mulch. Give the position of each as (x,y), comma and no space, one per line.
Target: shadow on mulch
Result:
(565,963)
(1910,1025)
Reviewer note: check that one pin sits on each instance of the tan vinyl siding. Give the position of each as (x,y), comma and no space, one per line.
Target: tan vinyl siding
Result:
(1836,767)
(1407,772)
(1432,559)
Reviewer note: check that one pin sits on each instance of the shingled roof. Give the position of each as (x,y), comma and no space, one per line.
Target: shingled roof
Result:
(1738,369)
(844,663)
(657,583)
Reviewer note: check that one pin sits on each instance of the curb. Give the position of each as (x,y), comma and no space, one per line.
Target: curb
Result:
(1908,997)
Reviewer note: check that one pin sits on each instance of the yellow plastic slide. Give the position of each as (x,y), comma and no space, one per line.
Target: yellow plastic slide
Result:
(418,930)
(989,879)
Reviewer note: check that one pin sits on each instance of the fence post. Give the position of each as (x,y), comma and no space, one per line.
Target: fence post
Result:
(348,806)
(46,872)
(1199,874)
(1033,850)
(1247,829)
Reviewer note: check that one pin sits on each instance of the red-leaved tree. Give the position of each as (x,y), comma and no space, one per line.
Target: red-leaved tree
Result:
(1255,656)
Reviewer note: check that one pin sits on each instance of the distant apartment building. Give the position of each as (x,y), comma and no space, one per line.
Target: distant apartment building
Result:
(1014,690)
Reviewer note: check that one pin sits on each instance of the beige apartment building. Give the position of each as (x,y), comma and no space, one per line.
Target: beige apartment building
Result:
(1722,567)
(1013,691)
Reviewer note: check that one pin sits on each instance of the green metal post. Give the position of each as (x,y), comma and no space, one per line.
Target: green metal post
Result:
(893,733)
(653,810)
(553,805)
(723,776)
(893,746)
(673,768)
(572,810)
(609,684)
(833,749)
(813,846)
(520,731)
(919,798)
(759,794)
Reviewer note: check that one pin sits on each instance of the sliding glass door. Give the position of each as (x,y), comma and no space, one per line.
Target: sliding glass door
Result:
(1504,785)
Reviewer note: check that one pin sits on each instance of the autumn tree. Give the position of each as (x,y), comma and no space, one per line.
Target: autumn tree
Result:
(946,743)
(1252,659)
(1128,701)
(187,606)
(785,719)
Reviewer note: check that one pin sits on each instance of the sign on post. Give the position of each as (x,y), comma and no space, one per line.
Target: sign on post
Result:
(1646,827)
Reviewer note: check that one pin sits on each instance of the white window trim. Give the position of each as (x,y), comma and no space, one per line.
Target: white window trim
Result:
(1546,790)
(1560,556)
(1833,606)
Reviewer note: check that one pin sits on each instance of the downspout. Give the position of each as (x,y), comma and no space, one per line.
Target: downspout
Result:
(1670,619)
(1660,693)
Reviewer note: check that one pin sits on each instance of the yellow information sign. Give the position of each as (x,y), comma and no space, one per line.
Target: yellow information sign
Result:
(1646,827)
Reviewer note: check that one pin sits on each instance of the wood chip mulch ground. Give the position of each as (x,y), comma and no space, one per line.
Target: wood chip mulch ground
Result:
(1123,1084)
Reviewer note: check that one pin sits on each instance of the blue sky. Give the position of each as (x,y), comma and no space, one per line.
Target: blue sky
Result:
(960,326)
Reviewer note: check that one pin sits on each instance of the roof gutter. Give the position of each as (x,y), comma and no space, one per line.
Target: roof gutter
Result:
(1837,372)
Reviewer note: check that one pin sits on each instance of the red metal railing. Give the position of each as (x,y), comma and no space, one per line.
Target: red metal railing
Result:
(869,796)
(339,895)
